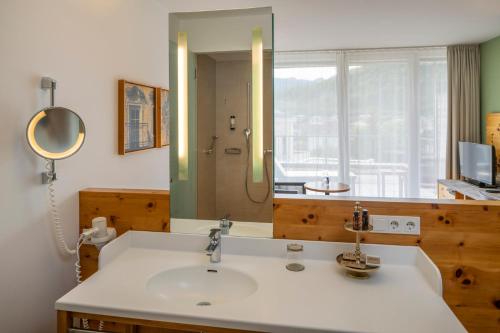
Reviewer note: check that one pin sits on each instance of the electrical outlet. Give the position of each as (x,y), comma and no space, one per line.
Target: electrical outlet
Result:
(394,225)
(404,225)
(411,225)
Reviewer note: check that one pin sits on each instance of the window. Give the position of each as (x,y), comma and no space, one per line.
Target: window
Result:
(306,120)
(373,119)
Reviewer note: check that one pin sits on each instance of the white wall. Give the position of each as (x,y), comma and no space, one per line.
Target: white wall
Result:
(87,45)
(226,32)
(347,24)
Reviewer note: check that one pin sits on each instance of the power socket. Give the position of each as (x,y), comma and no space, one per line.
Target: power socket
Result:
(404,225)
(394,225)
(411,225)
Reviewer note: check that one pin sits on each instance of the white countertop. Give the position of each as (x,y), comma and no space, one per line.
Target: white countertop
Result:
(403,296)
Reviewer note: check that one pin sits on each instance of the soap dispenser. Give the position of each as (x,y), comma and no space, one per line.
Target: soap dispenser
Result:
(356,217)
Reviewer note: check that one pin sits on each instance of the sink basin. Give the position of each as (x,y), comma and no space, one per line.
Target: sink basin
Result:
(197,285)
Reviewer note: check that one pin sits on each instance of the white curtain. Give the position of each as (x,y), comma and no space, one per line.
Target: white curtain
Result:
(306,116)
(381,128)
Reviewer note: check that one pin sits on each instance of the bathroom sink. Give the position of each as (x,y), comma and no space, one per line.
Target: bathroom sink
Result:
(198,285)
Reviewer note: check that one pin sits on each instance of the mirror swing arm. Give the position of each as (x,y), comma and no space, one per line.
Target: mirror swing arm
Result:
(48,83)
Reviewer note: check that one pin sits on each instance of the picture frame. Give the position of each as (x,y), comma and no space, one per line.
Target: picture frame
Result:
(137,117)
(162,117)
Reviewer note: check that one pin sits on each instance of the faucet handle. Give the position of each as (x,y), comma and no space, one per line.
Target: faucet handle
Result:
(214,232)
(225,217)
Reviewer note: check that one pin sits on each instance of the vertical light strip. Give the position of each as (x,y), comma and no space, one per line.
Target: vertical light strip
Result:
(257,106)
(182,105)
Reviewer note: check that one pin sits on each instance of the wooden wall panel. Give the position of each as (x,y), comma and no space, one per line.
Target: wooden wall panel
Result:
(125,210)
(461,237)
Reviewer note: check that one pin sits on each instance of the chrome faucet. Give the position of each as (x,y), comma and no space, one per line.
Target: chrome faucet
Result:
(225,224)
(214,247)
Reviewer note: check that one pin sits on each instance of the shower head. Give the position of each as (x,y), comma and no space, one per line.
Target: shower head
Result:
(247,132)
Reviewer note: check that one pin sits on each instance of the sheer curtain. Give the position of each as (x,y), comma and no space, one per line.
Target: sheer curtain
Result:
(381,127)
(306,118)
(397,121)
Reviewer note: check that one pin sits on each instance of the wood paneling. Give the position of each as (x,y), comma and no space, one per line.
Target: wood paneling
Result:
(125,210)
(63,321)
(461,237)
(121,117)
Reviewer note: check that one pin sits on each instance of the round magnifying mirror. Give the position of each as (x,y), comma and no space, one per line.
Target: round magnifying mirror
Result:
(55,133)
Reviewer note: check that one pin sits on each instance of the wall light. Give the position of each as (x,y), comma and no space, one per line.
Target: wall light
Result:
(71,143)
(182,104)
(257,105)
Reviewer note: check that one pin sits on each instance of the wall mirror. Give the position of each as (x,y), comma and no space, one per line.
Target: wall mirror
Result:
(55,133)
(373,123)
(221,86)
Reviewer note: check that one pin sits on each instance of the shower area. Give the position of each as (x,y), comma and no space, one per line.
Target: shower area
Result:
(224,183)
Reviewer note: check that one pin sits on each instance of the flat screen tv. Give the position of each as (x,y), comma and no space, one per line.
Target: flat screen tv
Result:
(477,163)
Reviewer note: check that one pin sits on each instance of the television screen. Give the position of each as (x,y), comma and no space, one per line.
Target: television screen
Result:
(477,162)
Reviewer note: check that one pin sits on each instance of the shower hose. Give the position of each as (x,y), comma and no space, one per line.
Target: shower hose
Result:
(268,181)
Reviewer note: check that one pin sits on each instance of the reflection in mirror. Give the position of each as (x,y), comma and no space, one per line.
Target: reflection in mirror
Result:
(221,161)
(360,133)
(376,123)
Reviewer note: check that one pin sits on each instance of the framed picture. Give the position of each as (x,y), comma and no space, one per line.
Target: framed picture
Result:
(162,117)
(137,113)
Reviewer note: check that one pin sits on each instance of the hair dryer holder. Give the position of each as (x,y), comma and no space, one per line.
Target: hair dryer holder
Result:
(100,233)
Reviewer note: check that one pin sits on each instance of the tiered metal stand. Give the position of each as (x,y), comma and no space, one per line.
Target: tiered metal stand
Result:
(356,264)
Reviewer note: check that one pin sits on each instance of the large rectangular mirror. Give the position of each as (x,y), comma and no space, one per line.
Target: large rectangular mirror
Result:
(221,131)
(381,123)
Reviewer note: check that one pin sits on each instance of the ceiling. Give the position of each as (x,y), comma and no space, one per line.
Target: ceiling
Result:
(347,24)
